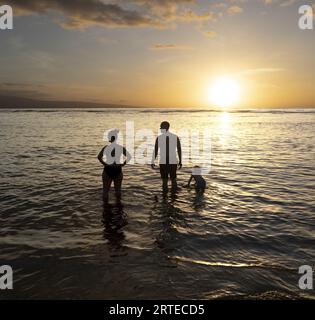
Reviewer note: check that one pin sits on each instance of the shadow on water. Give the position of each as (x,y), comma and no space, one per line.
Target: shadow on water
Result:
(114,219)
(198,199)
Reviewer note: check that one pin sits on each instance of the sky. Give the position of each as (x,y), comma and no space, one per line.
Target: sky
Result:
(159,53)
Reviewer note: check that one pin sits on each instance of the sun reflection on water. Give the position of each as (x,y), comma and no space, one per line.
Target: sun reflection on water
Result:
(224,124)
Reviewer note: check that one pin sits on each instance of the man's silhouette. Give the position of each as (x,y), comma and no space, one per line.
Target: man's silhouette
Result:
(168,143)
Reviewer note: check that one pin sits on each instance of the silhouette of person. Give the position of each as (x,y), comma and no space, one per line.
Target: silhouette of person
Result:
(200,182)
(110,156)
(167,143)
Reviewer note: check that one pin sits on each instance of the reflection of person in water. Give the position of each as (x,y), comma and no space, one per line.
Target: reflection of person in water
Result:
(114,219)
(168,143)
(110,156)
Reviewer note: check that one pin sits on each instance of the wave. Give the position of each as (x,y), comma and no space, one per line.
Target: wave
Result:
(232,264)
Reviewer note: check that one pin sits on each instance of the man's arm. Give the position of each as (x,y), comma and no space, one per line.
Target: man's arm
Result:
(179,151)
(155,152)
(127,156)
(189,181)
(100,157)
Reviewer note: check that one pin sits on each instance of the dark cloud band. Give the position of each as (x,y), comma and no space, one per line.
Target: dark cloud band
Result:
(82,13)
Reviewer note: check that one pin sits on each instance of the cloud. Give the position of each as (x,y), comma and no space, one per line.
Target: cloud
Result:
(169,47)
(133,13)
(282,3)
(287,3)
(261,70)
(238,1)
(190,15)
(27,90)
(118,13)
(80,13)
(20,85)
(234,10)
(210,34)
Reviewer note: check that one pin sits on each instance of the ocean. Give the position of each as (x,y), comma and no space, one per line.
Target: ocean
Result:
(244,237)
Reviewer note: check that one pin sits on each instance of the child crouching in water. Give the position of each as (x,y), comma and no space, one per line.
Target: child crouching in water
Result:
(200,182)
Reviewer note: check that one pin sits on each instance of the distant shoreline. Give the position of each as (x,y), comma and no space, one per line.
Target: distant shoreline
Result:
(305,110)
(22,103)
(15,102)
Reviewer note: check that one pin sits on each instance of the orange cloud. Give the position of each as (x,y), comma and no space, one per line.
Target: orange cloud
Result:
(210,34)
(234,10)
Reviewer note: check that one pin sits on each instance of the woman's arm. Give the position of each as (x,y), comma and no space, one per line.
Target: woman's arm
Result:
(127,156)
(100,157)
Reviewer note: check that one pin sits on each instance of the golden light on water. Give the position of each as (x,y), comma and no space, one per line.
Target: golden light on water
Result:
(224,122)
(224,92)
(225,117)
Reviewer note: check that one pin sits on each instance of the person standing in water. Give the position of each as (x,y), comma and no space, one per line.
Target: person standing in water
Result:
(111,157)
(168,143)
(200,182)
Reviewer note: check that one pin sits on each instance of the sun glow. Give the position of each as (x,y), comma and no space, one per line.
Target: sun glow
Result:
(224,92)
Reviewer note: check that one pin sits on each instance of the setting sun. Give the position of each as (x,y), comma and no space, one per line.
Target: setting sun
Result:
(224,92)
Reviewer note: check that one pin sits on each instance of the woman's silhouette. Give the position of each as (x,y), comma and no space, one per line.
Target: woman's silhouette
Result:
(111,157)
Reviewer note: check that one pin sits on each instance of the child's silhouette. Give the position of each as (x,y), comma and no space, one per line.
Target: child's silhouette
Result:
(200,182)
